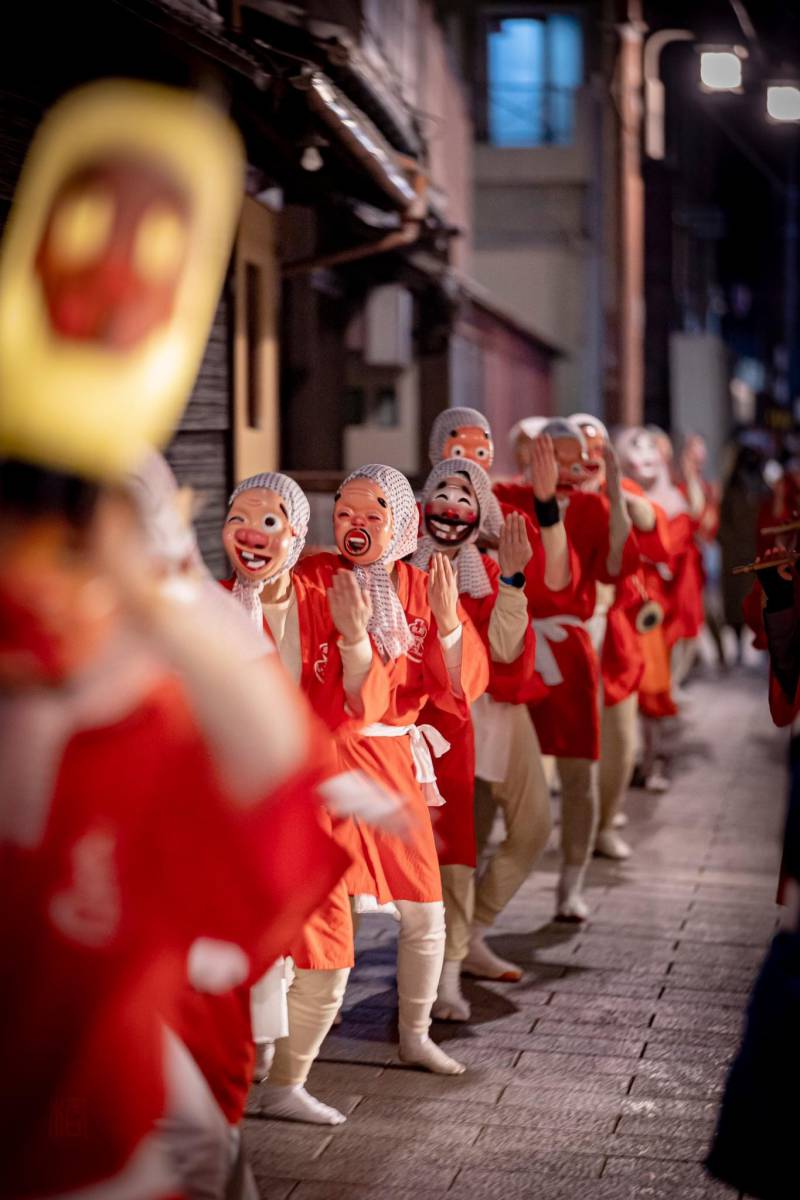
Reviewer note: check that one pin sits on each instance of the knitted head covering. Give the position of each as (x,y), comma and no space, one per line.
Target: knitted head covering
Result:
(447,421)
(581,419)
(442,428)
(249,593)
(529,427)
(560,427)
(469,565)
(388,624)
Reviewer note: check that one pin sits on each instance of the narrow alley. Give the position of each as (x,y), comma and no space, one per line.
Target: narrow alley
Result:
(598,1076)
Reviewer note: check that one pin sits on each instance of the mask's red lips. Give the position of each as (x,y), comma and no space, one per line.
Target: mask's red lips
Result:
(357,542)
(252,562)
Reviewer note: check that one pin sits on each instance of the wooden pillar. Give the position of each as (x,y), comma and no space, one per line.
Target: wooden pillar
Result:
(630,401)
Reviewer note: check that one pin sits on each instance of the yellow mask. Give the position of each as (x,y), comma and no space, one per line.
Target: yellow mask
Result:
(110,272)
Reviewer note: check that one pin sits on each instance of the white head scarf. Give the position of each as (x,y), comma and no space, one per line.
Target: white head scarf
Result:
(247,592)
(441,430)
(388,624)
(469,564)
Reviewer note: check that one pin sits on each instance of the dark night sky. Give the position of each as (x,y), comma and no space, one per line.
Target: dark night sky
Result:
(707,168)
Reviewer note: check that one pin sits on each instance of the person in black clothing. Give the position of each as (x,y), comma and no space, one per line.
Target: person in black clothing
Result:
(753,1148)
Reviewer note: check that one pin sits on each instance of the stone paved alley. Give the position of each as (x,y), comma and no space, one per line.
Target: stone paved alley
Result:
(597,1077)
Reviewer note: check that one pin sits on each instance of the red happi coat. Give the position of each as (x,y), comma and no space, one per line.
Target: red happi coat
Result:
(567,720)
(509,683)
(386,866)
(140,852)
(622,662)
(326,941)
(682,595)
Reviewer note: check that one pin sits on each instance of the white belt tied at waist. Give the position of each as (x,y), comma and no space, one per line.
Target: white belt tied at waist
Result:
(552,630)
(424,739)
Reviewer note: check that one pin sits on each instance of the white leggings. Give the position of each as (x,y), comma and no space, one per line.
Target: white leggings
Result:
(313,1001)
(420,954)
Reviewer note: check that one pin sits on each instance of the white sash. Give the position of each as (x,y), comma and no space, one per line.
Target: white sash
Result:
(424,739)
(552,630)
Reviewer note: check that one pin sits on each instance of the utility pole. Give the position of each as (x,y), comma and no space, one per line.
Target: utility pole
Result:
(630,402)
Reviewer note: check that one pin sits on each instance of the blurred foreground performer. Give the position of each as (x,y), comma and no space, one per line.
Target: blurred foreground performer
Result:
(130,752)
(324,645)
(753,1149)
(432,654)
(620,611)
(567,720)
(456,495)
(509,767)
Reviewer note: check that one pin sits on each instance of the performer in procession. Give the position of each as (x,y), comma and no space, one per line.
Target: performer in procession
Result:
(454,499)
(516,782)
(324,645)
(619,611)
(675,585)
(567,721)
(432,653)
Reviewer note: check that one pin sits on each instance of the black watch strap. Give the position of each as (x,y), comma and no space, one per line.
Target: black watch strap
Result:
(515,581)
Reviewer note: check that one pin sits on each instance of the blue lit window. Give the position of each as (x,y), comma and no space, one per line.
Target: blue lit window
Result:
(535,65)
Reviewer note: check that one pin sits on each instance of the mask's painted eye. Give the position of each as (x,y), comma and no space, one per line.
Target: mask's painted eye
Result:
(576,468)
(81,227)
(160,244)
(481,452)
(235,520)
(458,452)
(271,522)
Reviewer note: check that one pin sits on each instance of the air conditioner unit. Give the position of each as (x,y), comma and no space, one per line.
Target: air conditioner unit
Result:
(388,317)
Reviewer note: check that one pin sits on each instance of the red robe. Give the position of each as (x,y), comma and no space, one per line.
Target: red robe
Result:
(386,866)
(683,594)
(622,662)
(509,683)
(567,721)
(141,852)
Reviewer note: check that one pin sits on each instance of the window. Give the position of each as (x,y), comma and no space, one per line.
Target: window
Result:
(534,67)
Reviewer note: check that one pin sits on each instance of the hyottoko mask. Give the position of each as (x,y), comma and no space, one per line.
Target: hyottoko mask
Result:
(452,515)
(362,522)
(641,457)
(470,441)
(596,440)
(572,465)
(258,535)
(110,272)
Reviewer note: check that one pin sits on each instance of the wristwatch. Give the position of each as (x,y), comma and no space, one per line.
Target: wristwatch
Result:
(515,581)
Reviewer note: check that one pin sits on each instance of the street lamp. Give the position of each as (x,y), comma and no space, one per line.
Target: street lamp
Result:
(783,101)
(721,68)
(720,71)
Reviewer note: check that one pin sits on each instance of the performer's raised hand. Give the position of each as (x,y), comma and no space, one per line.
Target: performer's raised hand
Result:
(514,549)
(542,467)
(443,594)
(351,608)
